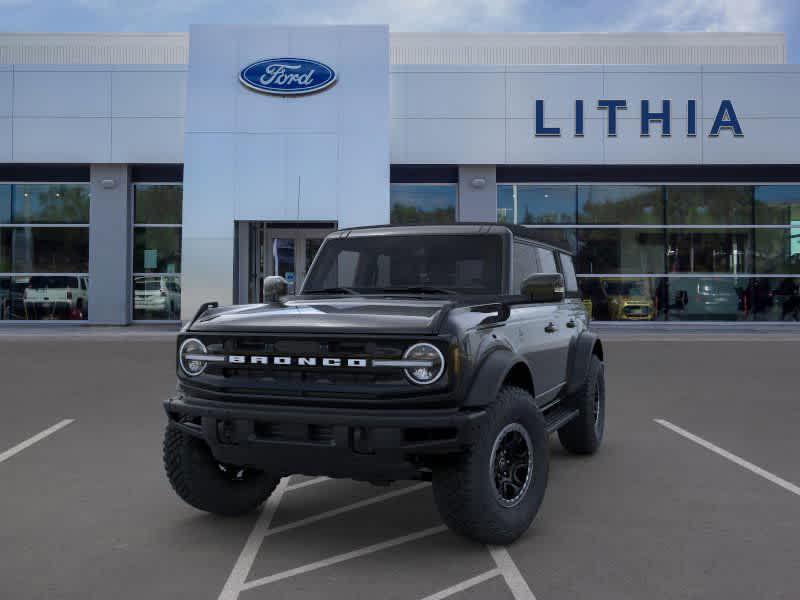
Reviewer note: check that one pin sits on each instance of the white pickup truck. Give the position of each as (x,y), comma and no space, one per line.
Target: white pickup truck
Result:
(56,297)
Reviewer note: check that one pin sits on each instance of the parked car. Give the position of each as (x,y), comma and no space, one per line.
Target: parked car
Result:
(156,296)
(706,299)
(444,353)
(56,297)
(628,299)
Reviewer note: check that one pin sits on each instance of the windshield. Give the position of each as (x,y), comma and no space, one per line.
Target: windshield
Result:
(41,282)
(469,264)
(625,288)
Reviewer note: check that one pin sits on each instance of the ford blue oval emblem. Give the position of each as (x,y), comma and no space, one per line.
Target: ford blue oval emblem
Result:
(287,76)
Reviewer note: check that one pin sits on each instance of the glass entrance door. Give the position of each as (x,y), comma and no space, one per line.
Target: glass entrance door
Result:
(283,251)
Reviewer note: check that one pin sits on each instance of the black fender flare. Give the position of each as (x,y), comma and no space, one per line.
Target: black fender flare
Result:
(588,344)
(490,374)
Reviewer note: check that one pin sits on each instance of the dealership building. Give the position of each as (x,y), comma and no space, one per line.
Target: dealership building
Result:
(144,174)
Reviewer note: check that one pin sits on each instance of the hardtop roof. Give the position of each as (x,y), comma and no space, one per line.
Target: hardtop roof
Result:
(518,231)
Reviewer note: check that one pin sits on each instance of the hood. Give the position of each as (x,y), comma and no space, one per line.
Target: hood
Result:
(354,314)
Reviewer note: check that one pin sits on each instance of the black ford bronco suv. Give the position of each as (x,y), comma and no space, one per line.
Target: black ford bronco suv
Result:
(444,353)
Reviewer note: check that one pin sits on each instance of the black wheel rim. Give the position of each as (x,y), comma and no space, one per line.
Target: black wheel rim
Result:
(511,465)
(597,408)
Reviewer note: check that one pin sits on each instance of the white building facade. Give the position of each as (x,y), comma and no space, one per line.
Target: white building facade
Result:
(141,175)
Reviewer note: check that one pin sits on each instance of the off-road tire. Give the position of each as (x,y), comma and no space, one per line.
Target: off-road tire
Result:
(464,487)
(198,479)
(584,434)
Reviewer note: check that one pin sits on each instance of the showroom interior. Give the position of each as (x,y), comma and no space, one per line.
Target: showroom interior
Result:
(116,206)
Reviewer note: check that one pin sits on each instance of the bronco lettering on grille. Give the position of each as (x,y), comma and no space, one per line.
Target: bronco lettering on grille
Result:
(301,361)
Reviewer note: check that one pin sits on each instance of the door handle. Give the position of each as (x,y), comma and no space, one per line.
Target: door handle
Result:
(551,328)
(571,323)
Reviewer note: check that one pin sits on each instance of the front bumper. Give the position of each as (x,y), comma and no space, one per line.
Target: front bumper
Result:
(364,444)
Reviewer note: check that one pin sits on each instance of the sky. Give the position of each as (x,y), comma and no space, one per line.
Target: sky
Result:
(413,15)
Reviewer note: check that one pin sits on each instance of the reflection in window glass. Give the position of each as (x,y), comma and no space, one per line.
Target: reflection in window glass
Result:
(709,205)
(560,238)
(775,299)
(536,204)
(156,297)
(620,251)
(625,298)
(423,204)
(5,203)
(44,297)
(44,249)
(778,250)
(526,264)
(777,205)
(709,251)
(708,299)
(157,250)
(159,204)
(620,204)
(46,203)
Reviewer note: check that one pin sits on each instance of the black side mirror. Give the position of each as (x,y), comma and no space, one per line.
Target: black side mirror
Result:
(544,287)
(274,287)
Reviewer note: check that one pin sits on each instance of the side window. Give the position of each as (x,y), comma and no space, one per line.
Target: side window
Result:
(547,261)
(525,263)
(568,269)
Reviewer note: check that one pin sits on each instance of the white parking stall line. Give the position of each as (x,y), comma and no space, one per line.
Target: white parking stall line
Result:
(344,509)
(306,483)
(32,440)
(241,569)
(464,585)
(771,477)
(510,572)
(327,562)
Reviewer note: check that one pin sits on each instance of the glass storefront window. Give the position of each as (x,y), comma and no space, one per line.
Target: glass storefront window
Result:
(709,205)
(44,250)
(45,204)
(607,251)
(708,299)
(423,204)
(156,297)
(620,204)
(624,298)
(157,214)
(158,204)
(778,250)
(710,251)
(566,238)
(778,205)
(157,250)
(536,204)
(775,299)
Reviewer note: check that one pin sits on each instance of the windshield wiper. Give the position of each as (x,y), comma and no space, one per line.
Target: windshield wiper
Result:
(412,289)
(332,290)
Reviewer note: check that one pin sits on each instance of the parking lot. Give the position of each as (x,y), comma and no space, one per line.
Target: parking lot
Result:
(693,494)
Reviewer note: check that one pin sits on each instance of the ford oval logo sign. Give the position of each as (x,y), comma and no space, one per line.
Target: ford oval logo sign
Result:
(287,76)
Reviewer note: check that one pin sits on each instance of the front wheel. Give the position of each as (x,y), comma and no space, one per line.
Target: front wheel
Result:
(492,492)
(201,481)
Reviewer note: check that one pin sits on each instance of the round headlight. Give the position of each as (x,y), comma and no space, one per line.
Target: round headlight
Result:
(190,357)
(430,363)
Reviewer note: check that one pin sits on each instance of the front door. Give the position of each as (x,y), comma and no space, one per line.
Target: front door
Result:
(284,251)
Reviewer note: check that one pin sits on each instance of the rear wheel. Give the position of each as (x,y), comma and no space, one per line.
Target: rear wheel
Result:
(492,492)
(201,481)
(584,434)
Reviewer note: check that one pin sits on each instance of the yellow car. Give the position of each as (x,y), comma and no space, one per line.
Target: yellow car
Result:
(628,299)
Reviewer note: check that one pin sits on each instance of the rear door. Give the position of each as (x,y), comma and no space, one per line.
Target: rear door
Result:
(536,329)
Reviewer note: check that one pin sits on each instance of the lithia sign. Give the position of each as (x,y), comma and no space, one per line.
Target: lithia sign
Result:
(726,119)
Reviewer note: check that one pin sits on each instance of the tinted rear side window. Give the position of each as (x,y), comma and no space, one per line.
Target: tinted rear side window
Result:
(525,264)
(547,260)
(568,269)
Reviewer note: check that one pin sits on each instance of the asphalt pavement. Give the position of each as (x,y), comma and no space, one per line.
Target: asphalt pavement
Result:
(693,494)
